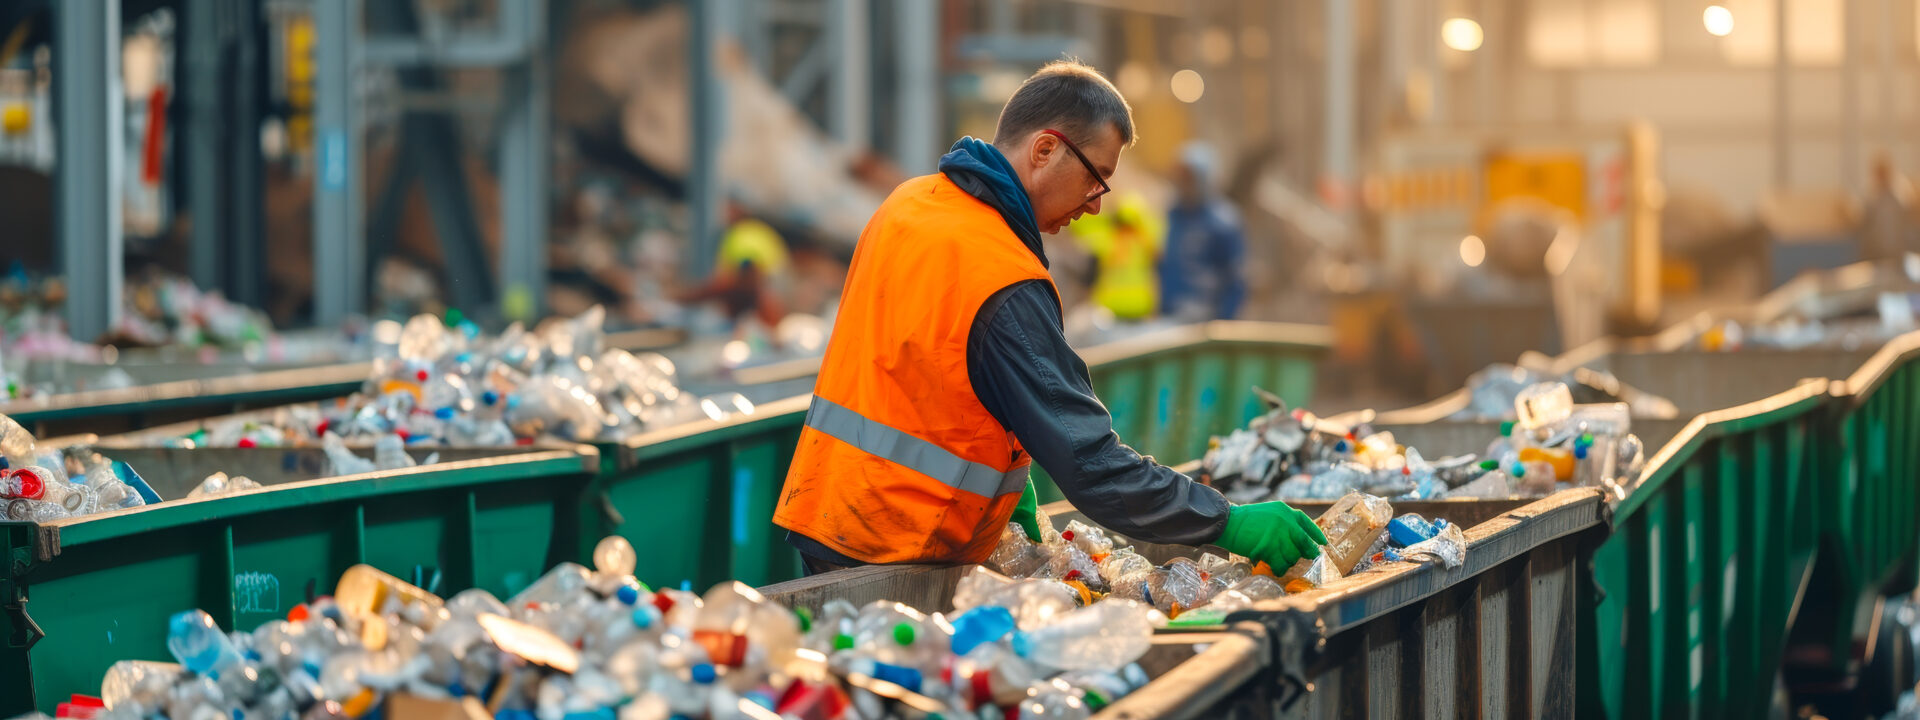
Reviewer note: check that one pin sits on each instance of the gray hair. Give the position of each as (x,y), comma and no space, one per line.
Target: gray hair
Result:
(1069,96)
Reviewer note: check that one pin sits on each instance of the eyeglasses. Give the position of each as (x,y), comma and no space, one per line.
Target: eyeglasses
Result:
(1104,188)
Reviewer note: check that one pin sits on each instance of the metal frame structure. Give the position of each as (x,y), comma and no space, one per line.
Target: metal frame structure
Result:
(517,46)
(90,110)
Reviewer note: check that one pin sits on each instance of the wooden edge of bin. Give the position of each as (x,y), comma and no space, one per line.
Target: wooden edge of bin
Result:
(1715,423)
(178,391)
(1194,687)
(1356,599)
(573,460)
(1315,338)
(777,372)
(1880,366)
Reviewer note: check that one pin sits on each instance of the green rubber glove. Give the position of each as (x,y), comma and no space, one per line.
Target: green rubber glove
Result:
(1024,512)
(1273,533)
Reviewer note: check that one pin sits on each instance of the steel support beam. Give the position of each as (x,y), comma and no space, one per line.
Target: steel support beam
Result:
(704,186)
(850,94)
(1782,110)
(1336,179)
(339,240)
(524,201)
(246,241)
(202,40)
(1851,178)
(90,108)
(916,97)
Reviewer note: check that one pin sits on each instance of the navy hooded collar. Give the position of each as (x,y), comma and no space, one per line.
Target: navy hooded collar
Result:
(983,172)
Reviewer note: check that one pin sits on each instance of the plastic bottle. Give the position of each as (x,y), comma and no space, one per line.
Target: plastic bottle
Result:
(1104,636)
(198,644)
(740,627)
(342,461)
(390,453)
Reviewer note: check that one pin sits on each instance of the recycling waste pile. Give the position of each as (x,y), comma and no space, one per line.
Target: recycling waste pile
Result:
(581,643)
(1084,564)
(1494,392)
(1553,445)
(41,484)
(440,385)
(166,322)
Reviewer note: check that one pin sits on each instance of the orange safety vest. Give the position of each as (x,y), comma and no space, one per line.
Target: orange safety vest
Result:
(899,461)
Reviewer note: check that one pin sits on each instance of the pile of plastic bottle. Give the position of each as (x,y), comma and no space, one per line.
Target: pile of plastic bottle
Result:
(1554,445)
(597,643)
(1492,392)
(44,484)
(439,383)
(163,309)
(1087,564)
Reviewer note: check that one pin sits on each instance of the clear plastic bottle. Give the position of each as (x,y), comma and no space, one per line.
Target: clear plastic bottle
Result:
(1103,636)
(740,627)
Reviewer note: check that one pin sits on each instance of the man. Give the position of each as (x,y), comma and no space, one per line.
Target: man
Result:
(1200,271)
(948,366)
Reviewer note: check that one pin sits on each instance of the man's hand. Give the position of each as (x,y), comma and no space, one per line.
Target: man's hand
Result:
(1025,512)
(1273,533)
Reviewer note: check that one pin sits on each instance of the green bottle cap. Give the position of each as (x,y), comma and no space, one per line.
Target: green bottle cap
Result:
(903,634)
(1489,464)
(806,618)
(843,641)
(1506,429)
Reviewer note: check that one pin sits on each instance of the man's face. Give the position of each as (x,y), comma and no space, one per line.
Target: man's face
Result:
(1062,184)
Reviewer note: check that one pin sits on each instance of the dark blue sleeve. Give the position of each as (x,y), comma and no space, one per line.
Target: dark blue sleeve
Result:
(1038,388)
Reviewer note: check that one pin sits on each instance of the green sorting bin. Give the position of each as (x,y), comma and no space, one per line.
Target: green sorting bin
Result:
(1870,502)
(79,594)
(1710,554)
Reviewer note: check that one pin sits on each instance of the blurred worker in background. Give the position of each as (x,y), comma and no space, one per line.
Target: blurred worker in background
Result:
(948,366)
(752,259)
(1887,229)
(1200,272)
(1125,245)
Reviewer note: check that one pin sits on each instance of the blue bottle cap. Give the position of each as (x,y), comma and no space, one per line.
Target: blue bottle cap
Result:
(686,586)
(1022,643)
(445,413)
(627,594)
(489,398)
(645,616)
(704,673)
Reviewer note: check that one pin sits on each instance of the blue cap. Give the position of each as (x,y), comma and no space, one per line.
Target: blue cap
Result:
(645,616)
(686,586)
(489,397)
(627,594)
(1580,452)
(704,673)
(445,413)
(1022,643)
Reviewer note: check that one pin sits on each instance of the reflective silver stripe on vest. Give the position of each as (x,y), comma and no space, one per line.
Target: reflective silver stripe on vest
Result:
(926,458)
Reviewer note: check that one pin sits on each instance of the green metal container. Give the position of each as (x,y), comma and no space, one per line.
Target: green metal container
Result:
(98,589)
(705,489)
(1709,557)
